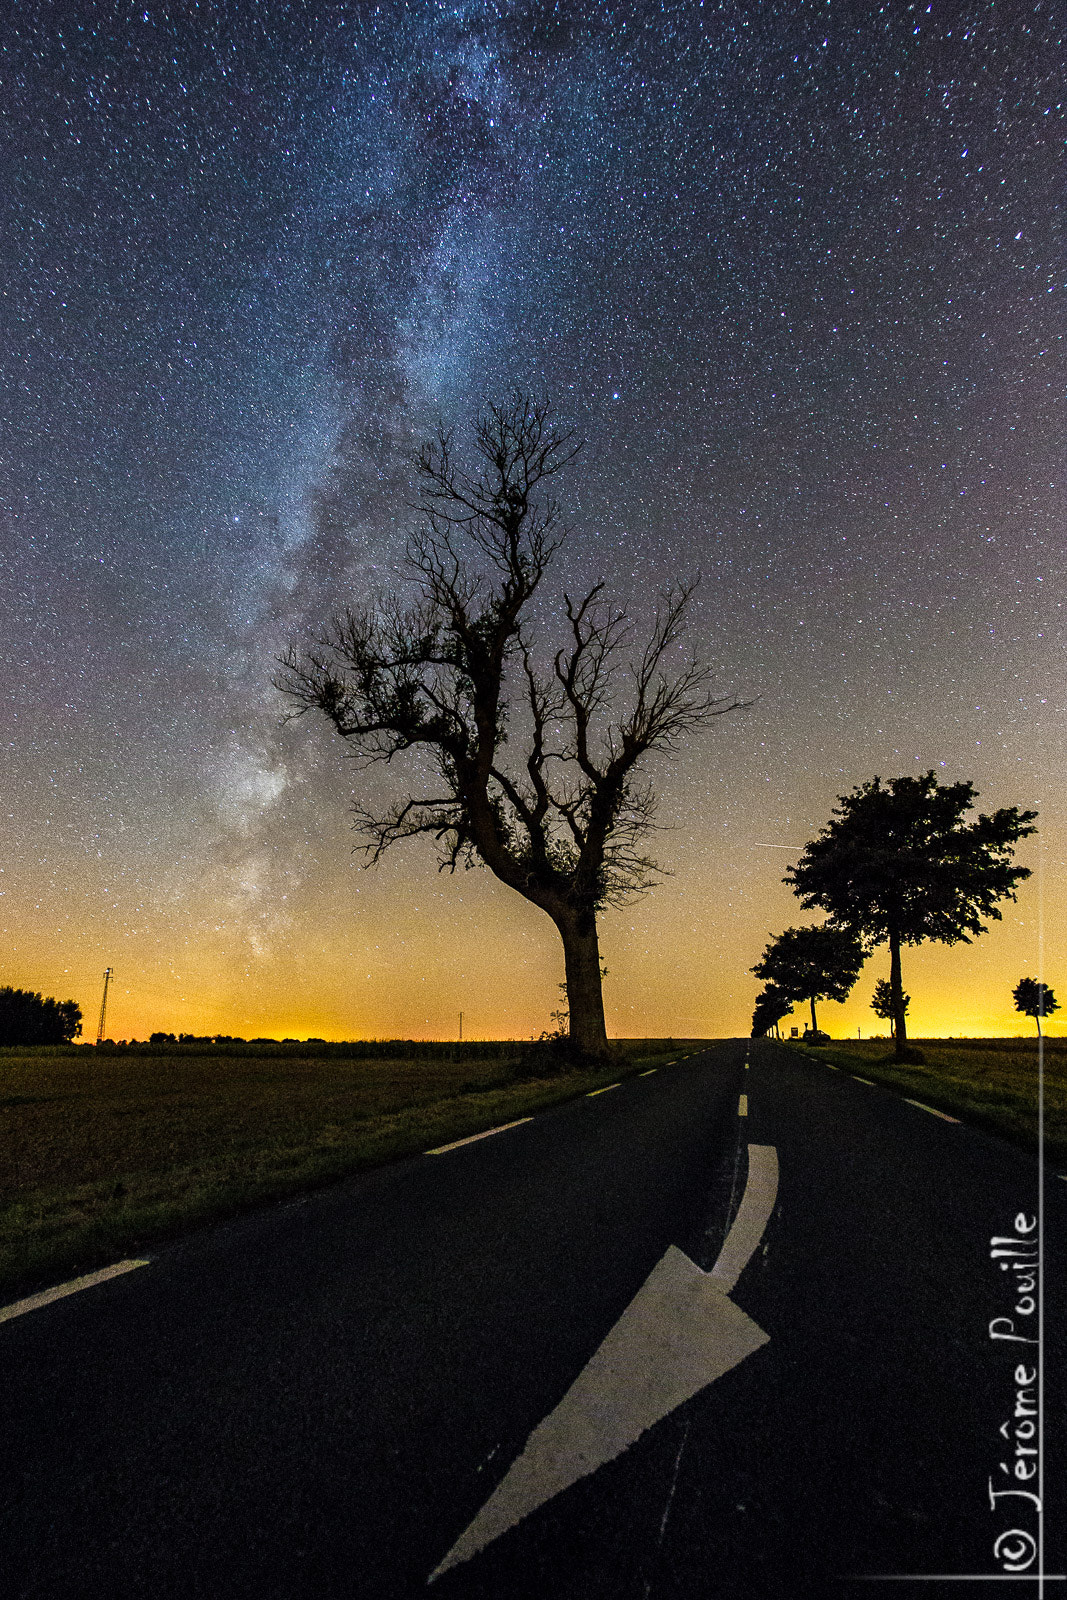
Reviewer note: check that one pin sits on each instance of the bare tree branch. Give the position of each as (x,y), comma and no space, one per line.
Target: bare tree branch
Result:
(455,674)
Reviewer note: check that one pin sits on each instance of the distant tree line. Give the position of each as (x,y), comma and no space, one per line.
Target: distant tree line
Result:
(30,1018)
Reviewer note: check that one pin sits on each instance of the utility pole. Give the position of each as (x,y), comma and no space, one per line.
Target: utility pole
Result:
(109,973)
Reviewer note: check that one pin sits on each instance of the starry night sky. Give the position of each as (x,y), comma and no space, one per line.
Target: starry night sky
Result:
(792,270)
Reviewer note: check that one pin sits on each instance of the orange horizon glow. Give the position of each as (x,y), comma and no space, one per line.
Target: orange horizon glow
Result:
(397,954)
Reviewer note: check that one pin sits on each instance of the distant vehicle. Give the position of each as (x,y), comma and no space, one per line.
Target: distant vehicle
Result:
(815,1036)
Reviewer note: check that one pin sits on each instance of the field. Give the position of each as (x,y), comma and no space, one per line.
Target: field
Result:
(104,1151)
(990,1083)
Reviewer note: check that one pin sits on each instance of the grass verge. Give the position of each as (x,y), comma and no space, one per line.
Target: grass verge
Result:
(991,1084)
(103,1154)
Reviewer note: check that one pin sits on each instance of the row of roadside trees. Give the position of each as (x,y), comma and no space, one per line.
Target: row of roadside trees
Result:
(899,863)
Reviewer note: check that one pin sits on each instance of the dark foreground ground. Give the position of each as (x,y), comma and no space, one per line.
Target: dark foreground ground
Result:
(316,1400)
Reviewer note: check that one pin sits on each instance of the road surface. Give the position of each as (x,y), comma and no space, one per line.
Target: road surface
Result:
(329,1397)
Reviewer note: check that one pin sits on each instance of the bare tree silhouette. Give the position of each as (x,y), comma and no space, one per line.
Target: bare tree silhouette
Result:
(538,758)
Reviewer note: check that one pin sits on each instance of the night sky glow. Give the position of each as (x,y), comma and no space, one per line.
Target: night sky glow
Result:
(791,269)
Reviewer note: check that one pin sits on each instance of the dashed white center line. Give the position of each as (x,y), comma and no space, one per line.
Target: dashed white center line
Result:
(649,1073)
(604,1090)
(742,1106)
(503,1128)
(869,1081)
(934,1113)
(45,1298)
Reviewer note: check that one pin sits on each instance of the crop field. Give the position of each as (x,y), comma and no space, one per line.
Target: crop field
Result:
(990,1083)
(103,1151)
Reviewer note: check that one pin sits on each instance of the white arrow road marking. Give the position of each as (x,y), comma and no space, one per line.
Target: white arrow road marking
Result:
(753,1215)
(679,1333)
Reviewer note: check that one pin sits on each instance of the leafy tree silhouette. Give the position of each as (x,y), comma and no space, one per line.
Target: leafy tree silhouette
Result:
(1034,999)
(898,864)
(820,962)
(882,1003)
(771,1006)
(26,1017)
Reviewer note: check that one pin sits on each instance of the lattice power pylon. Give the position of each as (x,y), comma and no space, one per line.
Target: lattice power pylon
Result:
(109,973)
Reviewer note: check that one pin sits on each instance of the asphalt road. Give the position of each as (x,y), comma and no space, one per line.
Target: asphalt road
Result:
(317,1400)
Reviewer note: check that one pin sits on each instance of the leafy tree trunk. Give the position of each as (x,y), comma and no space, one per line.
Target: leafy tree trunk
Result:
(585,995)
(814,1023)
(900,1027)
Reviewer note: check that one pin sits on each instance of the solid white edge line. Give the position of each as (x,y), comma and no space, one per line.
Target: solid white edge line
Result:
(753,1215)
(604,1090)
(932,1110)
(45,1298)
(503,1128)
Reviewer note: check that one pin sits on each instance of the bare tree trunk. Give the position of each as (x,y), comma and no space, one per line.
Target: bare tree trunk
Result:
(585,995)
(896,988)
(814,1023)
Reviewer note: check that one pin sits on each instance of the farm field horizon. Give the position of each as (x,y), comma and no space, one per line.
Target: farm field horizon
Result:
(107,1149)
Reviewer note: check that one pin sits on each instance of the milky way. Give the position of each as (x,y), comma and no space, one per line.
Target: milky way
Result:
(792,271)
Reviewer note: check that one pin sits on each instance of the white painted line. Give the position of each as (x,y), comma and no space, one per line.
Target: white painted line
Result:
(954,1577)
(942,1114)
(869,1081)
(679,1333)
(649,1073)
(503,1128)
(742,1106)
(604,1090)
(46,1296)
(753,1214)
(831,1066)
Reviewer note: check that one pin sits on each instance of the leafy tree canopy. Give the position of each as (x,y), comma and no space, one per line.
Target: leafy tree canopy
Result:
(897,863)
(882,1003)
(898,860)
(28,1018)
(821,962)
(1034,999)
(771,1006)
